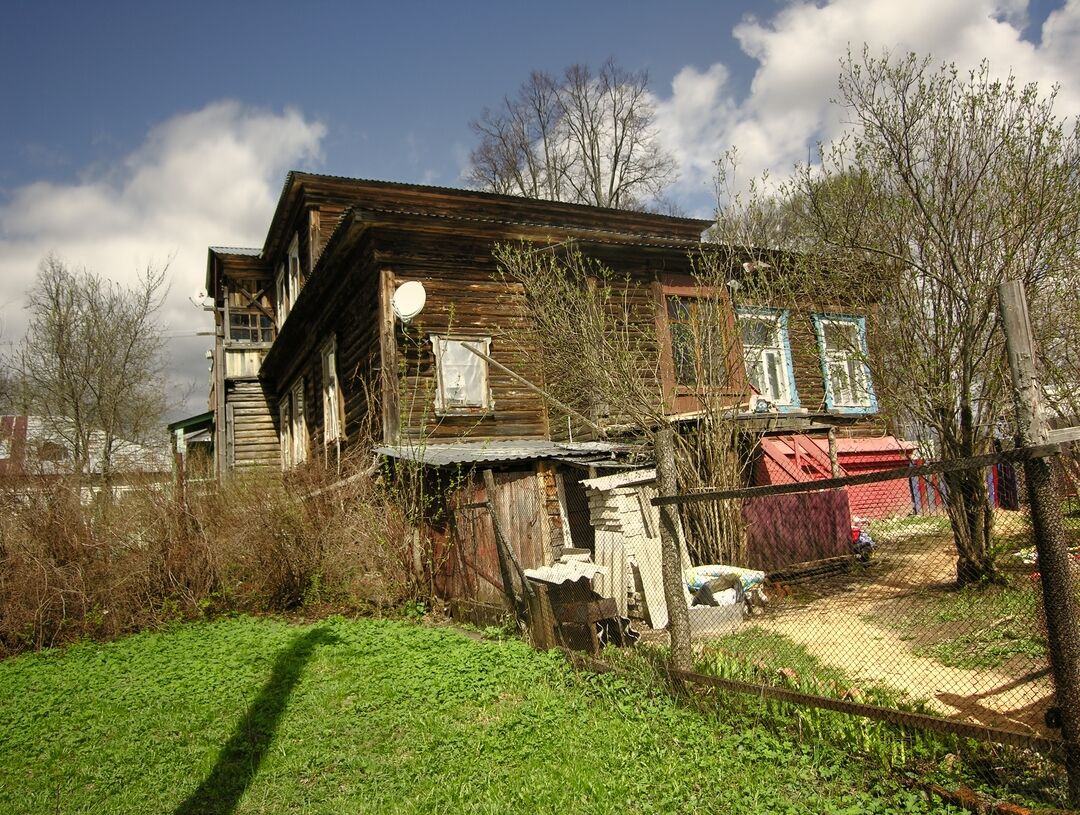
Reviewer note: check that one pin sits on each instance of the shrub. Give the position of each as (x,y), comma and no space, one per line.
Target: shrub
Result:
(71,568)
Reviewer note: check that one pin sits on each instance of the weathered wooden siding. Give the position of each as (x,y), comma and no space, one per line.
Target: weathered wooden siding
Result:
(351,318)
(252,434)
(465,298)
(806,361)
(469,564)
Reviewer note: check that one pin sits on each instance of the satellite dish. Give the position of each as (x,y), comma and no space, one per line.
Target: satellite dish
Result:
(409,300)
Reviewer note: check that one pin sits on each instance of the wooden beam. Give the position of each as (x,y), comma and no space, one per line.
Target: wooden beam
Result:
(388,359)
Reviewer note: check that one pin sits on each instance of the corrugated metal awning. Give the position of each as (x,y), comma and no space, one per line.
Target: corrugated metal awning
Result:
(570,572)
(634,478)
(444,454)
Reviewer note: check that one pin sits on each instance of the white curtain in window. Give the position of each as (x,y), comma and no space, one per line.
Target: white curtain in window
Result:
(462,376)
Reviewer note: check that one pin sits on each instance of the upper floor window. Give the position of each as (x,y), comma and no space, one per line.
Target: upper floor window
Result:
(287,281)
(767,354)
(333,413)
(52,451)
(461,377)
(843,352)
(295,280)
(699,354)
(281,292)
(250,326)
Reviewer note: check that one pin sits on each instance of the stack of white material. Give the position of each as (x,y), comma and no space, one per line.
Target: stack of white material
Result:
(627,529)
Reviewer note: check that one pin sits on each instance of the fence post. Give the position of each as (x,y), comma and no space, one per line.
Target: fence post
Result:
(1059,601)
(670,554)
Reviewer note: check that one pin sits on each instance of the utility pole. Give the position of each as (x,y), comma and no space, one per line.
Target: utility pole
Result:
(1059,601)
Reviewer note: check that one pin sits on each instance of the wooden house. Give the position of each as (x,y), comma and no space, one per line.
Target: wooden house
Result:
(310,359)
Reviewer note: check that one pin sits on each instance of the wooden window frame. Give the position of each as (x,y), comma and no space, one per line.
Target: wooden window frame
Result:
(258,329)
(688,398)
(281,291)
(487,406)
(296,275)
(292,426)
(285,430)
(299,423)
(862,353)
(781,318)
(333,398)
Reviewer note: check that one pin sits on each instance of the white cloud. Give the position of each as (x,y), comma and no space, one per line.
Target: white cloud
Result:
(207,177)
(798,49)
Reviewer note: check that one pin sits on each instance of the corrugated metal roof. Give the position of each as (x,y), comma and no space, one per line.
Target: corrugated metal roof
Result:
(570,572)
(631,479)
(247,251)
(477,452)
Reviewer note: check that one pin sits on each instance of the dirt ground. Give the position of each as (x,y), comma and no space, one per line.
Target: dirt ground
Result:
(835,622)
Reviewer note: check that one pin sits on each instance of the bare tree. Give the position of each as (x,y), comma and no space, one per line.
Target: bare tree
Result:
(594,335)
(92,361)
(947,184)
(588,139)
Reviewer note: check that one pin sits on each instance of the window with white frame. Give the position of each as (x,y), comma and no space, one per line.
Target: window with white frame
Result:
(294,267)
(285,431)
(767,353)
(842,345)
(461,377)
(333,413)
(281,289)
(293,427)
(299,424)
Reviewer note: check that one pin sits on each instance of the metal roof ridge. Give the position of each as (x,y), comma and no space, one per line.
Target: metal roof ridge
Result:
(656,240)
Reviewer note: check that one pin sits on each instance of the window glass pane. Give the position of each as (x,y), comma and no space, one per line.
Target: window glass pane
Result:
(757,331)
(678,308)
(682,352)
(841,336)
(847,374)
(755,371)
(776,390)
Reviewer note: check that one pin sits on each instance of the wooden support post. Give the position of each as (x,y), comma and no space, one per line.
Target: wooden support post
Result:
(670,554)
(1059,601)
(834,459)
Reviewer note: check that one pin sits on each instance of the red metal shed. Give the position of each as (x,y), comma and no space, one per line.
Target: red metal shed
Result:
(797,457)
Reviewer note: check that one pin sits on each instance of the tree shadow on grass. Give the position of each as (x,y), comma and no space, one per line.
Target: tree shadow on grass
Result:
(239,759)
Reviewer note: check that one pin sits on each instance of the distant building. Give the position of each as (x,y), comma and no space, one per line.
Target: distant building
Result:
(33,451)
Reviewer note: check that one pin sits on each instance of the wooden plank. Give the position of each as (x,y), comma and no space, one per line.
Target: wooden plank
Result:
(388,358)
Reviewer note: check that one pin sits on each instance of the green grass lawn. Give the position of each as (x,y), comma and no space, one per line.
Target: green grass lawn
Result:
(260,716)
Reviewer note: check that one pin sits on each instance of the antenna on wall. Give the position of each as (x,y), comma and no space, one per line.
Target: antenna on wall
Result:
(408,300)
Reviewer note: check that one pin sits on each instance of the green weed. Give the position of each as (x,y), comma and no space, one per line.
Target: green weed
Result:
(377,716)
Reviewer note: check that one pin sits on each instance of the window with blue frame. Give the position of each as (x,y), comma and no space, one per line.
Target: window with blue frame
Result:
(767,354)
(842,350)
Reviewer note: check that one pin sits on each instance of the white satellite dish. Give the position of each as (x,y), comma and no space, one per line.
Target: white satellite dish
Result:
(409,300)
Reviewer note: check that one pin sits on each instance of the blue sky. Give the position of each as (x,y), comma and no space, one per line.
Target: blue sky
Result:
(395,84)
(138,133)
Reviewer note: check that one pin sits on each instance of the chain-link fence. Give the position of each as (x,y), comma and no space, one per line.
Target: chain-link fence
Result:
(910,599)
(853,593)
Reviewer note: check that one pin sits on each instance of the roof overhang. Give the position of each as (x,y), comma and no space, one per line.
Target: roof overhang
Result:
(465,453)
